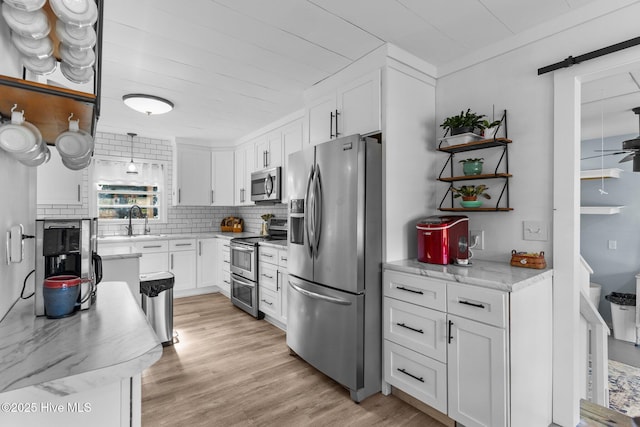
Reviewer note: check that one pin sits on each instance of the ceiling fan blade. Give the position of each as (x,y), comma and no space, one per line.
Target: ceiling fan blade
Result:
(616,150)
(627,158)
(605,155)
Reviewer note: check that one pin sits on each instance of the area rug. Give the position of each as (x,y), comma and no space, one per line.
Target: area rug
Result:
(624,388)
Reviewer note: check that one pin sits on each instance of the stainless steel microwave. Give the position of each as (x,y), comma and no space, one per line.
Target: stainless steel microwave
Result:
(266,185)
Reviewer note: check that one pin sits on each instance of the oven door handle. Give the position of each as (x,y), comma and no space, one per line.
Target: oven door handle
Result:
(243,282)
(235,248)
(319,296)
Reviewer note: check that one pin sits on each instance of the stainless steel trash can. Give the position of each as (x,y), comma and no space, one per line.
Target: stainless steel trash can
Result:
(157,303)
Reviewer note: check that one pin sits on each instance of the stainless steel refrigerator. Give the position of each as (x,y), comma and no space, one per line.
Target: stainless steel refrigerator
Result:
(334,262)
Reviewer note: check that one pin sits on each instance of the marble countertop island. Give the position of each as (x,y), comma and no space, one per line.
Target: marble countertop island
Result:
(109,342)
(488,274)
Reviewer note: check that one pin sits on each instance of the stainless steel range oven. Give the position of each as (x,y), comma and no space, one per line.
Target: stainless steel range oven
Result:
(244,267)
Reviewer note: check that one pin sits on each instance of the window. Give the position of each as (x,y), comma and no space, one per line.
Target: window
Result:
(115,191)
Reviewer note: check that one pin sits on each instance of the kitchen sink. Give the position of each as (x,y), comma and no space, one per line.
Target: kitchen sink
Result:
(134,237)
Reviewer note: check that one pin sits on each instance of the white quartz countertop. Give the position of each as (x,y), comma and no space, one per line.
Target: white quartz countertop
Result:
(151,237)
(278,244)
(488,274)
(109,342)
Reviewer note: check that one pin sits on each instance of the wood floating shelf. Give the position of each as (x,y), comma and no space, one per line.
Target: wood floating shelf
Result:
(600,173)
(47,107)
(600,210)
(472,177)
(476,209)
(476,145)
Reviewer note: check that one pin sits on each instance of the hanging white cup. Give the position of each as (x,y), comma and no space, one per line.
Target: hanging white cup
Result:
(19,137)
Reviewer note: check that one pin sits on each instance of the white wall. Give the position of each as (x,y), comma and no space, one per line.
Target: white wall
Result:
(17,206)
(9,66)
(510,81)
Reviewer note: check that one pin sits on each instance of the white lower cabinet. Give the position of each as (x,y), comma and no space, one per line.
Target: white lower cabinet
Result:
(207,249)
(155,256)
(479,355)
(182,263)
(273,280)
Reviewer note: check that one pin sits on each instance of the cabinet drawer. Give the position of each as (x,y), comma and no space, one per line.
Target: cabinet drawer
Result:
(268,301)
(152,246)
(182,245)
(282,258)
(415,289)
(420,376)
(479,304)
(418,328)
(268,254)
(268,276)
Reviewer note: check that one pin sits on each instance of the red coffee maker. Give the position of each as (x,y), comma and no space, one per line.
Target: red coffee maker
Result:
(443,239)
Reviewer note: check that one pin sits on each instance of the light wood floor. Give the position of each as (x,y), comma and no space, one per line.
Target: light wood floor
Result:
(229,369)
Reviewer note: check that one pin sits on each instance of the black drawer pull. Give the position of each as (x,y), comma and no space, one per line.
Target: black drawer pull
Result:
(421,379)
(449,336)
(420,331)
(267,276)
(472,304)
(267,302)
(402,288)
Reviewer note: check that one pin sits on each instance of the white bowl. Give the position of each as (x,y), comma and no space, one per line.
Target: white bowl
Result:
(27,5)
(39,48)
(74,145)
(19,138)
(28,24)
(42,66)
(76,75)
(77,58)
(41,158)
(74,36)
(81,13)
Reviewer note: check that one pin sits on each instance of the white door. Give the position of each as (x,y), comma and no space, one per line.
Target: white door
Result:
(320,119)
(183,266)
(477,371)
(222,179)
(206,262)
(194,177)
(359,106)
(57,184)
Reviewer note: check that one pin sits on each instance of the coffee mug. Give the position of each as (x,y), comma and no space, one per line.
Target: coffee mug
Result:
(20,138)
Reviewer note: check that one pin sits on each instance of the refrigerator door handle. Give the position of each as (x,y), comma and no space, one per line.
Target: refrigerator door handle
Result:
(317,206)
(319,296)
(308,215)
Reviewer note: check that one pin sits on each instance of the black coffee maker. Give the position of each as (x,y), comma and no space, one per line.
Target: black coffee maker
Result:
(67,247)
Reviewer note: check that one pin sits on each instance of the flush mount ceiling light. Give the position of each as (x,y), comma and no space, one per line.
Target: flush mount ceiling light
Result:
(131,169)
(147,104)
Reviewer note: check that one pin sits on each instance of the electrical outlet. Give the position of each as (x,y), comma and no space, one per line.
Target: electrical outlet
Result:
(613,244)
(479,234)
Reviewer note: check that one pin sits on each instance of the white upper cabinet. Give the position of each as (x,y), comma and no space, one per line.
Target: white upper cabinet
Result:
(352,108)
(268,151)
(193,171)
(244,165)
(222,178)
(58,185)
(203,177)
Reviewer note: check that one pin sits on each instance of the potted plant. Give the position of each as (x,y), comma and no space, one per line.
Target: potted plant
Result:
(464,122)
(472,166)
(489,129)
(469,194)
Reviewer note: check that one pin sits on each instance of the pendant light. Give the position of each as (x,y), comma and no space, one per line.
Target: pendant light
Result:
(131,169)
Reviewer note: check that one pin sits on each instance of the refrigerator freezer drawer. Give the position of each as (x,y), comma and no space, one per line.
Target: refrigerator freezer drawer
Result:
(325,328)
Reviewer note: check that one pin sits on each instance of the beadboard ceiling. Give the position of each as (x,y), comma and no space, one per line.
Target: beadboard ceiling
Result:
(233,66)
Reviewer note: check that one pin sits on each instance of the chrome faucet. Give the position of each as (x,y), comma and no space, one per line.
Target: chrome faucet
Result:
(130,226)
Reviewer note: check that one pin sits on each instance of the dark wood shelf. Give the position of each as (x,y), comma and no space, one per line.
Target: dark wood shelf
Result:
(475,145)
(494,209)
(472,177)
(47,107)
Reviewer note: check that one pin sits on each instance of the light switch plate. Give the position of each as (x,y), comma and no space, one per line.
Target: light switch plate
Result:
(535,230)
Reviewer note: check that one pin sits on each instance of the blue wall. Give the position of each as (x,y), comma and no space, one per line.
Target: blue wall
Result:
(615,269)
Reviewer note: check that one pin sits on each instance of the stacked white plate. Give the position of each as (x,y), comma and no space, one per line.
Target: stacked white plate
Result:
(23,141)
(75,30)
(75,147)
